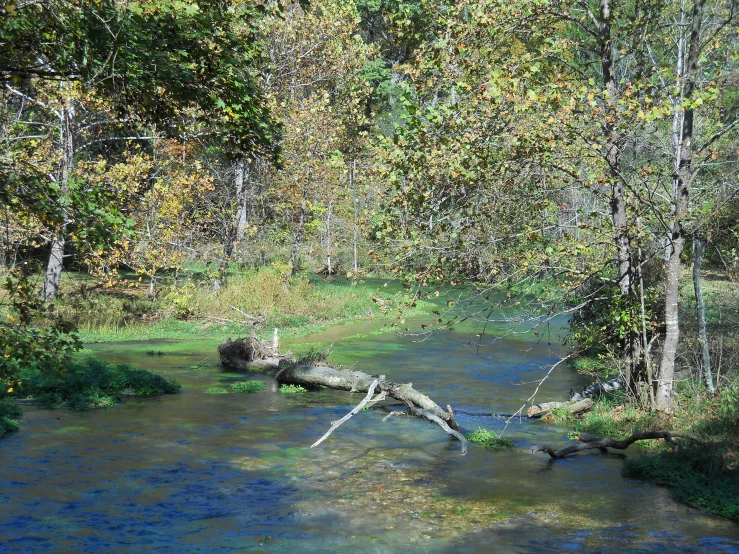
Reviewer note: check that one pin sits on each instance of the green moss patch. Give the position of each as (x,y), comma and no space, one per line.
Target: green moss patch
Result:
(91,383)
(248,386)
(490,440)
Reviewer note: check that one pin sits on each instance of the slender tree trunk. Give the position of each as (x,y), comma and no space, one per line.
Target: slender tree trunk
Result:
(328,239)
(352,171)
(613,151)
(699,249)
(53,276)
(236,231)
(294,262)
(680,199)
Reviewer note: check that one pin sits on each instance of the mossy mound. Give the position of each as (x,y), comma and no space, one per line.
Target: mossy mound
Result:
(91,383)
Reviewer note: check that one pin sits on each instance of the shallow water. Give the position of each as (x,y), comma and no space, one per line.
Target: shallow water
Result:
(197,472)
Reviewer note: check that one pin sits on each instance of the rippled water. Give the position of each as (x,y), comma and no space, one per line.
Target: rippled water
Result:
(195,472)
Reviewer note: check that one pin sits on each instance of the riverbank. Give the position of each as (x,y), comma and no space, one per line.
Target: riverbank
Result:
(704,473)
(247,301)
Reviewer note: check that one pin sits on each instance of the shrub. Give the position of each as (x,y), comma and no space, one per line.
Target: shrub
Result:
(8,413)
(248,386)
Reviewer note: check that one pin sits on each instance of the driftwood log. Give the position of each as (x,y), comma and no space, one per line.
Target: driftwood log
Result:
(251,354)
(589,442)
(538,410)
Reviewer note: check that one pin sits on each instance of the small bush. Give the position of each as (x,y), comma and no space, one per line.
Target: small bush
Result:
(8,413)
(92,383)
(248,386)
(216,390)
(490,440)
(292,389)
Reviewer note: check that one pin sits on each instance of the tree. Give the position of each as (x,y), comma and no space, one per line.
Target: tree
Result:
(148,62)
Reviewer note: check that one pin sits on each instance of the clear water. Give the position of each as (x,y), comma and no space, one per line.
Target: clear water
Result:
(195,472)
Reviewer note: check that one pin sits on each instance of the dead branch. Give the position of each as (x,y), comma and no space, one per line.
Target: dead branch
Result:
(590,442)
(336,424)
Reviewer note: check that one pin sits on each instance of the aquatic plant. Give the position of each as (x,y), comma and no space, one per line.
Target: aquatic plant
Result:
(292,389)
(490,440)
(216,390)
(91,383)
(248,386)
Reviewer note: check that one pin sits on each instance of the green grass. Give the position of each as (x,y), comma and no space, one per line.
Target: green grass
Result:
(216,390)
(292,389)
(706,474)
(297,306)
(91,383)
(490,440)
(248,386)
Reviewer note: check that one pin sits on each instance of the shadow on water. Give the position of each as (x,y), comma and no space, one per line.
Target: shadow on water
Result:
(198,472)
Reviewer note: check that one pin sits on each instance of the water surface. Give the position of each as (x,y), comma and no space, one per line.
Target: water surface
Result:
(197,472)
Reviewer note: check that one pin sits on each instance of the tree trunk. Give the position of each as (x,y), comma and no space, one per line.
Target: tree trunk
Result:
(352,172)
(294,261)
(329,269)
(55,265)
(236,231)
(699,248)
(680,199)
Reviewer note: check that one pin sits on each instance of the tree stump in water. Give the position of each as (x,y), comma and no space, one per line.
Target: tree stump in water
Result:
(252,354)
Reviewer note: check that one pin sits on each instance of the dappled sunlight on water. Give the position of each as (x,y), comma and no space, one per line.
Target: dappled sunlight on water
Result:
(198,472)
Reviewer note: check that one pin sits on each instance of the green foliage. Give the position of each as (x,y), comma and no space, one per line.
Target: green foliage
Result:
(30,335)
(8,413)
(691,473)
(248,386)
(292,389)
(91,383)
(490,440)
(216,390)
(601,325)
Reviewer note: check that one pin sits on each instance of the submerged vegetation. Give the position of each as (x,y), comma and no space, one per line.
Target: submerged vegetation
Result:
(490,440)
(91,383)
(248,386)
(292,389)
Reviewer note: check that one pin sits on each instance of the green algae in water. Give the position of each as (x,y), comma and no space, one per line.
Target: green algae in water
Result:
(292,389)
(248,386)
(72,429)
(216,390)
(490,440)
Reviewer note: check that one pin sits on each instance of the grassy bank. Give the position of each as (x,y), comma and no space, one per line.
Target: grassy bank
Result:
(254,300)
(703,474)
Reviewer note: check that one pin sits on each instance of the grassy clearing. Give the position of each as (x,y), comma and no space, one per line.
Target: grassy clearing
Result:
(90,383)
(191,309)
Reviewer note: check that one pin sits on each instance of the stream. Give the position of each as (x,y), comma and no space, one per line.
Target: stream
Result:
(197,472)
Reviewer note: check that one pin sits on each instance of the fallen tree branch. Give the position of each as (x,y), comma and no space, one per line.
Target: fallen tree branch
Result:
(251,354)
(336,424)
(590,442)
(538,410)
